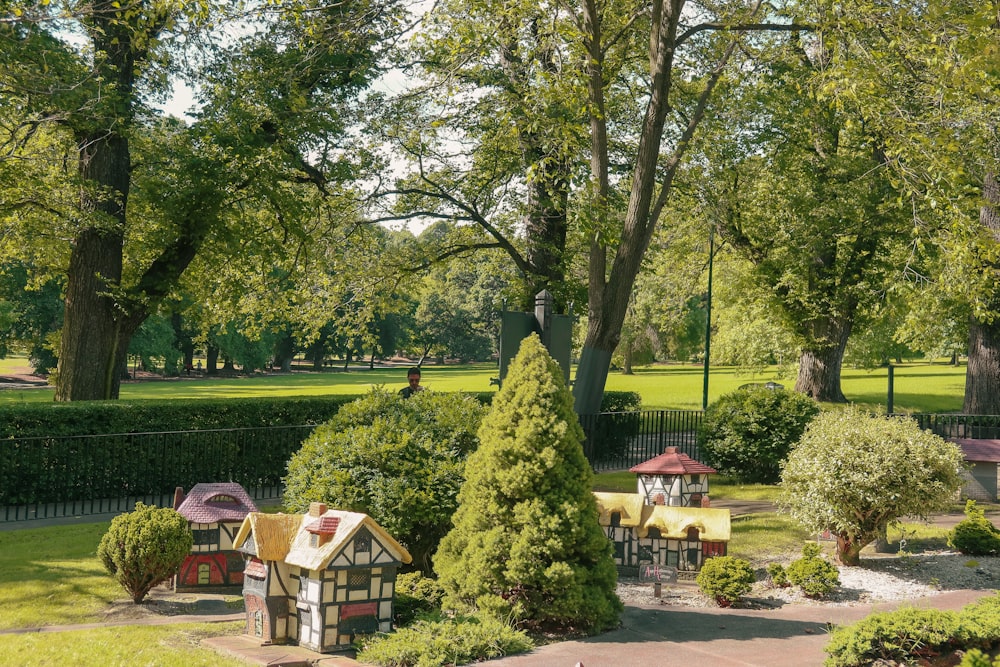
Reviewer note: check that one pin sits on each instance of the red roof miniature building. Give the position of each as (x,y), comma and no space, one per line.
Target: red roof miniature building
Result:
(668,523)
(672,462)
(214,512)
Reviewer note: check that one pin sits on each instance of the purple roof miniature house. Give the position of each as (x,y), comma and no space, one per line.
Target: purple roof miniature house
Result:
(214,512)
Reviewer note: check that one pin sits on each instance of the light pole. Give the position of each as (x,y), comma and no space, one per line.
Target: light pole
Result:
(708,317)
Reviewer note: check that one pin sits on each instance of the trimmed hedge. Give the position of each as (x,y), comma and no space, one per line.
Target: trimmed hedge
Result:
(147,448)
(99,417)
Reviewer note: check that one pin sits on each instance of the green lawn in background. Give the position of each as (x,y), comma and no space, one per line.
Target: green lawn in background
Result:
(919,386)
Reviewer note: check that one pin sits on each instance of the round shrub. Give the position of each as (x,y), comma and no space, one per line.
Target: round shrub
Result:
(853,473)
(145,548)
(725,579)
(816,576)
(747,433)
(975,535)
(401,461)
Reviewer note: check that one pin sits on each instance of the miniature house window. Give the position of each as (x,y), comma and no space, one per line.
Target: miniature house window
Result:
(258,624)
(696,479)
(223,498)
(692,534)
(359,580)
(616,519)
(654,533)
(205,537)
(314,540)
(363,542)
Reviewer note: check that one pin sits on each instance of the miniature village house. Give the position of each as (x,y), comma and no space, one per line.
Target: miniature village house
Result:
(667,523)
(318,579)
(214,513)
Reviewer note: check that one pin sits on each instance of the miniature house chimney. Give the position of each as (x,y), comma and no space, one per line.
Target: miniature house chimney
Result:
(317,509)
(178,496)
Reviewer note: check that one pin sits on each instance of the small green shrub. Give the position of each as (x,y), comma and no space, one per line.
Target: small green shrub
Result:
(778,574)
(416,595)
(445,642)
(975,535)
(815,575)
(725,579)
(898,636)
(144,548)
(747,433)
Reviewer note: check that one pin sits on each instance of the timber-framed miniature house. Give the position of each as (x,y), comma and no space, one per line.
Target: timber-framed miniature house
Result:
(214,513)
(668,522)
(318,579)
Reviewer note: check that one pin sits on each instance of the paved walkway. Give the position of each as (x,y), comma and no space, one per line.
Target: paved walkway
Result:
(790,636)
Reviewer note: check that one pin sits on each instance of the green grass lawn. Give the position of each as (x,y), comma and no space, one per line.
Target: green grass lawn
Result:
(919,387)
(52,576)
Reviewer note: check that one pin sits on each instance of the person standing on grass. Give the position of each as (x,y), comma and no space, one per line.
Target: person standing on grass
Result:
(413,383)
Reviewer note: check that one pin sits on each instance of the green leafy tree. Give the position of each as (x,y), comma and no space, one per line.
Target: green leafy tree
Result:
(933,66)
(854,474)
(152,194)
(807,200)
(399,461)
(145,548)
(526,543)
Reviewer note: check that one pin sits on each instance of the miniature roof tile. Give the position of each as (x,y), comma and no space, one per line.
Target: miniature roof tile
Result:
(216,502)
(627,505)
(325,525)
(978,450)
(672,462)
(255,569)
(713,524)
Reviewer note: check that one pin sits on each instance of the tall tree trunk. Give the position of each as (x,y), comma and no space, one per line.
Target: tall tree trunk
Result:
(820,363)
(982,374)
(610,289)
(94,343)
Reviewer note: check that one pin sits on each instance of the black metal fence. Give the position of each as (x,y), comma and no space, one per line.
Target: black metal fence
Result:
(68,476)
(620,440)
(61,476)
(961,426)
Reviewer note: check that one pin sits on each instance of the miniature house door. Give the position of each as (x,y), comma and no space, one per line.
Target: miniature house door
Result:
(310,626)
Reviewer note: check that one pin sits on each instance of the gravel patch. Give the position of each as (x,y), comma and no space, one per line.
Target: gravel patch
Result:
(878,579)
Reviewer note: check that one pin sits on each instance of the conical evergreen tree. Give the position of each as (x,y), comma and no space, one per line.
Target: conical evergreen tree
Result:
(526,543)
